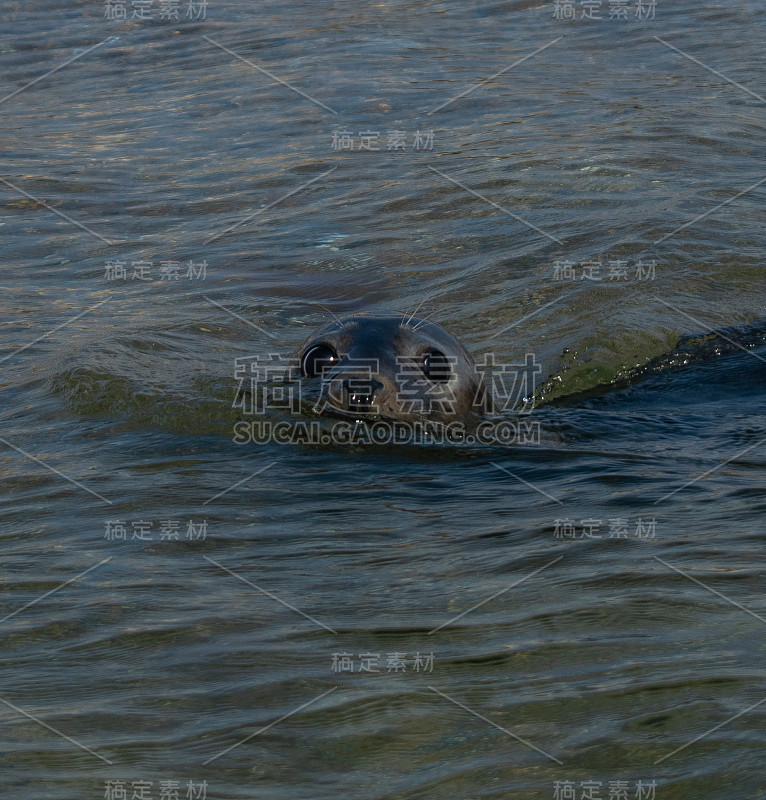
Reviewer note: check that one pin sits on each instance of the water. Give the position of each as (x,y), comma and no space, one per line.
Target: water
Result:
(625,655)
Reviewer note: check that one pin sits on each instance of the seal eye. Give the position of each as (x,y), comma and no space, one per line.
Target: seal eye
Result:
(316,359)
(436,367)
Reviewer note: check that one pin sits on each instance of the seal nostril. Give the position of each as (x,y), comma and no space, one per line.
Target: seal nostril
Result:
(359,394)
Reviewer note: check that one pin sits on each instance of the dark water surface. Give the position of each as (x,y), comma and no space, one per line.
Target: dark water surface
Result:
(632,654)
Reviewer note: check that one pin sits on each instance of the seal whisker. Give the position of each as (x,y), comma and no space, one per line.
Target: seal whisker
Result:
(406,324)
(424,320)
(329,311)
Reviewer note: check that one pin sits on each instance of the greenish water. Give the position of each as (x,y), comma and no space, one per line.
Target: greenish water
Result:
(589,608)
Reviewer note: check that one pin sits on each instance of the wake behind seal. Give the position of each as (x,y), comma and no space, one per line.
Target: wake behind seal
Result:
(370,366)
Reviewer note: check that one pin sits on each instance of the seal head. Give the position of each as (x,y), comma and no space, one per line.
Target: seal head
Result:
(391,367)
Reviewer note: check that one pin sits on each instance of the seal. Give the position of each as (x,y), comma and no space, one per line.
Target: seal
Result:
(371,366)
